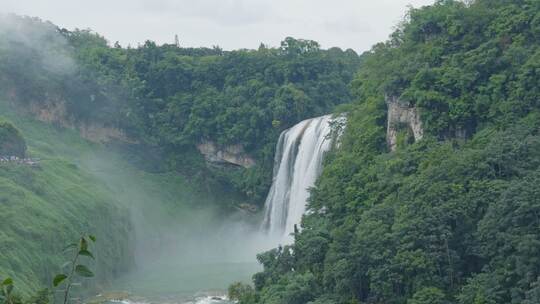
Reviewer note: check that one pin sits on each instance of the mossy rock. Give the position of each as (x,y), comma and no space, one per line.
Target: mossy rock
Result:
(12,142)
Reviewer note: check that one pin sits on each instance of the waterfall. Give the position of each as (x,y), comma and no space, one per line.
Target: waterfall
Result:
(297,165)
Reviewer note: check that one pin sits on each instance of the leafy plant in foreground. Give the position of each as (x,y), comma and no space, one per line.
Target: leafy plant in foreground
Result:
(6,293)
(80,249)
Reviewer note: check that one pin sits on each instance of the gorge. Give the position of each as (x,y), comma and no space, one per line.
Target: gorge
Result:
(192,167)
(226,252)
(178,142)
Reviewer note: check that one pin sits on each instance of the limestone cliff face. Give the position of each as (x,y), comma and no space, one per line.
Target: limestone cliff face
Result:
(402,115)
(231,155)
(55,112)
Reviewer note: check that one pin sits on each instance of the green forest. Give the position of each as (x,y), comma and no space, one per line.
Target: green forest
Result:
(175,98)
(165,99)
(451,218)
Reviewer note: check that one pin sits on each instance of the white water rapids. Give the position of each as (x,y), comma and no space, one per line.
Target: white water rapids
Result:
(195,300)
(298,164)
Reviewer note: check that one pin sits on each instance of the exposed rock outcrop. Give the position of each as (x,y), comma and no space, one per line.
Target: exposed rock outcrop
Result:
(231,155)
(55,112)
(402,115)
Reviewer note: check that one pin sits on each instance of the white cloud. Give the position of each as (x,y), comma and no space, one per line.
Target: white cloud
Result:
(232,24)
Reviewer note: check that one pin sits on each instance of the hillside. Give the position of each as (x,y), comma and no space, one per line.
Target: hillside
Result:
(81,187)
(124,143)
(129,137)
(433,196)
(48,205)
(430,196)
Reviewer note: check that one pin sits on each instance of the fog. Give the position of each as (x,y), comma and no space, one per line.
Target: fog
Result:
(184,241)
(184,244)
(22,35)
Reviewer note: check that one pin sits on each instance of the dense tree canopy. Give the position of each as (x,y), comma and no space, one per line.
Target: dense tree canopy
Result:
(175,97)
(452,218)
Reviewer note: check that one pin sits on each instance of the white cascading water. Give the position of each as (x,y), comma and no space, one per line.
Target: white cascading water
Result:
(298,164)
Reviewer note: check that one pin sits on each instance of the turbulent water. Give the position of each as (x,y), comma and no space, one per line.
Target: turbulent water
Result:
(298,163)
(205,299)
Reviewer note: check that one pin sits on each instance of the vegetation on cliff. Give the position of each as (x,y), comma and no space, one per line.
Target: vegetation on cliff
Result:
(167,99)
(175,97)
(451,218)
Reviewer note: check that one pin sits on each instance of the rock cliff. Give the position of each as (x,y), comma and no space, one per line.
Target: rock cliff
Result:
(231,155)
(55,112)
(402,115)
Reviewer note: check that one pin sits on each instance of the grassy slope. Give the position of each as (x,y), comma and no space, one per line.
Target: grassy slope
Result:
(80,187)
(42,209)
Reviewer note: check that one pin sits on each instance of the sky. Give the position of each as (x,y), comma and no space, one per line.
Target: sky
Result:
(230,24)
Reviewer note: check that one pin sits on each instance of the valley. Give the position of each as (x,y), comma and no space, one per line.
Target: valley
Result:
(289,174)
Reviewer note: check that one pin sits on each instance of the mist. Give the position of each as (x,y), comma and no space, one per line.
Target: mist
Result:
(184,242)
(44,43)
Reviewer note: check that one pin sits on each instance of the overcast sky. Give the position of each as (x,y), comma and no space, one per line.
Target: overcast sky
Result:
(231,24)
